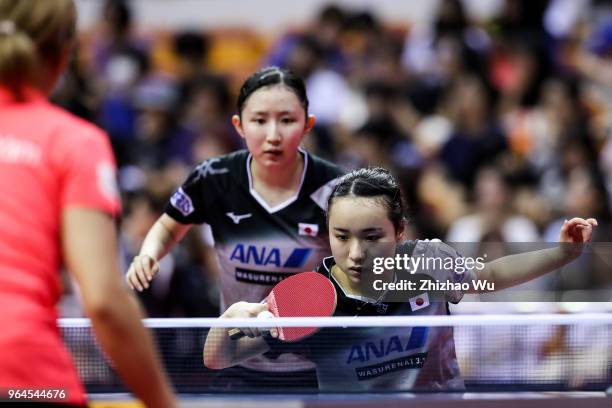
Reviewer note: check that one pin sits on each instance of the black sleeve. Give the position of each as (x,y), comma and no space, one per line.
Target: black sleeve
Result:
(278,347)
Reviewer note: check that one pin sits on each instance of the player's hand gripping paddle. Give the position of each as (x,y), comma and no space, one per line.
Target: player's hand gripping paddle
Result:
(306,294)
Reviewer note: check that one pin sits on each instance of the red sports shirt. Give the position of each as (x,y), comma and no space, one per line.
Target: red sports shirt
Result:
(49,161)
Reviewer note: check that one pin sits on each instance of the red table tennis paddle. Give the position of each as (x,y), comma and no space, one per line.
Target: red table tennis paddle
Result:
(305,294)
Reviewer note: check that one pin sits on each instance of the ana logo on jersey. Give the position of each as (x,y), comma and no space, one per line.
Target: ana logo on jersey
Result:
(237,217)
(270,256)
(363,352)
(182,202)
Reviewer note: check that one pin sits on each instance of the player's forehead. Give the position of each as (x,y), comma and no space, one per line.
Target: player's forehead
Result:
(276,98)
(352,213)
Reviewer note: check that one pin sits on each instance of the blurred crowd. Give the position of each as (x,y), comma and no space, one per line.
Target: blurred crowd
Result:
(499,130)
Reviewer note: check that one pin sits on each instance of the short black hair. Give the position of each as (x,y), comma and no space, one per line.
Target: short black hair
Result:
(273,76)
(374,182)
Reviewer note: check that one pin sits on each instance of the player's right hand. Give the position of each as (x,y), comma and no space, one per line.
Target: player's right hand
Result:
(142,270)
(248,310)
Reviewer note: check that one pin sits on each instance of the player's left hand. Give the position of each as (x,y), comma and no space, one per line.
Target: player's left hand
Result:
(577,230)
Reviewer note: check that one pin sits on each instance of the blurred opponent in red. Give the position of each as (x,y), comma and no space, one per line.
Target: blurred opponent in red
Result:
(58,200)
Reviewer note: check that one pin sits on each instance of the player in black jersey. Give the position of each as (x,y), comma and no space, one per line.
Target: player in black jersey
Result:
(265,205)
(366,222)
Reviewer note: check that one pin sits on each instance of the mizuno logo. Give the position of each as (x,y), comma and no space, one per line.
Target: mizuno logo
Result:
(237,217)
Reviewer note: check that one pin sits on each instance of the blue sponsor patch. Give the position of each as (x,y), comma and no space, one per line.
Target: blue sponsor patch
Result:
(363,352)
(269,256)
(182,202)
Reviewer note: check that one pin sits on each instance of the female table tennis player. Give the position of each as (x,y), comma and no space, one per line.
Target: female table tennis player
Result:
(365,220)
(265,205)
(58,201)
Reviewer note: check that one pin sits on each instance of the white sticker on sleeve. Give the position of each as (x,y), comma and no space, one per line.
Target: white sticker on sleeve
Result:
(182,202)
(107,181)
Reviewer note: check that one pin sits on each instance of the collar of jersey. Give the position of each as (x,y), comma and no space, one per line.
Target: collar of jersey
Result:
(351,304)
(282,205)
(30,93)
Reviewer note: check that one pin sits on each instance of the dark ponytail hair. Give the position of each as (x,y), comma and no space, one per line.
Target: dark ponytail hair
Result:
(374,182)
(33,36)
(273,76)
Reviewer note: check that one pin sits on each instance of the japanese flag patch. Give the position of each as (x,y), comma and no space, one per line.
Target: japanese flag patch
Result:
(419,302)
(308,229)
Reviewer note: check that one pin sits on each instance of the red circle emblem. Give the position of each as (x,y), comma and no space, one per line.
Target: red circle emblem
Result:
(419,301)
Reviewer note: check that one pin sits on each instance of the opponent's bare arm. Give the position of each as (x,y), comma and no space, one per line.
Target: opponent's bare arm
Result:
(89,245)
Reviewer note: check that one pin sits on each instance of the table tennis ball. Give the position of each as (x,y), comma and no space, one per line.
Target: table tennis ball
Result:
(265,315)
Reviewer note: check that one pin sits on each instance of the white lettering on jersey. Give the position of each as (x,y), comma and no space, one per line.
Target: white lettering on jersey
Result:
(207,168)
(182,202)
(237,217)
(14,150)
(107,180)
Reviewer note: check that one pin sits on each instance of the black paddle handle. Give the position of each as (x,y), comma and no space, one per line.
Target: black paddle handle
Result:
(235,334)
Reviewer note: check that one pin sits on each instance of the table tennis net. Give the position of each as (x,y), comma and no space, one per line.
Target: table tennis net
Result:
(494,353)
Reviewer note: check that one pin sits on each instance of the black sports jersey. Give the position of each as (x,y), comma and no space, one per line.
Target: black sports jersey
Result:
(257,246)
(385,358)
